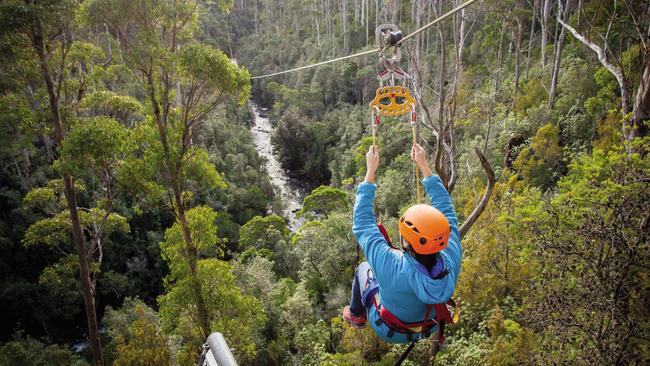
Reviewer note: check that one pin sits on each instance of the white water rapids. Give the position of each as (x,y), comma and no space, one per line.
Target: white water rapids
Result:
(288,192)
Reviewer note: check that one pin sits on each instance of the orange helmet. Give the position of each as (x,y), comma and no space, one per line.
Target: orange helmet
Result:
(425,228)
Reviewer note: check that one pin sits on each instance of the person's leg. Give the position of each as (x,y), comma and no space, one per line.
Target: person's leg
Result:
(358,284)
(355,314)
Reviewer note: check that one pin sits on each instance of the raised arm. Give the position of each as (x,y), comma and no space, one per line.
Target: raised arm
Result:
(441,200)
(370,239)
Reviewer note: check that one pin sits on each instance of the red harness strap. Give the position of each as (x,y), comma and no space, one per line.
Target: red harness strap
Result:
(384,232)
(417,327)
(443,316)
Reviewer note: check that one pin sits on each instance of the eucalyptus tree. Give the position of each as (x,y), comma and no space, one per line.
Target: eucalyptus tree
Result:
(184,81)
(50,49)
(619,34)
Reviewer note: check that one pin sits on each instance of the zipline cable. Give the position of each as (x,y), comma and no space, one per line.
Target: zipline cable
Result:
(438,20)
(363,53)
(318,64)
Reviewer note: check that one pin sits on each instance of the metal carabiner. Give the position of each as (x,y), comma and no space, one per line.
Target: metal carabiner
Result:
(387,36)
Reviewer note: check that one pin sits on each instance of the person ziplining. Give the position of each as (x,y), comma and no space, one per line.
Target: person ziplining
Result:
(403,294)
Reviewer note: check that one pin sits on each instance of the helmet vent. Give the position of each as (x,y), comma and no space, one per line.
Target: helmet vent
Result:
(423,241)
(442,244)
(408,223)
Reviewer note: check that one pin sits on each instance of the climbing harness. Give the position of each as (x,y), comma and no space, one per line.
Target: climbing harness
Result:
(447,313)
(391,99)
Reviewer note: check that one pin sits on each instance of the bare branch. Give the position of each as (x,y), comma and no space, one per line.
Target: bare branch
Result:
(471,219)
(604,60)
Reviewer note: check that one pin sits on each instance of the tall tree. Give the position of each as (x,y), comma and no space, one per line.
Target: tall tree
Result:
(563,13)
(184,82)
(51,29)
(545,15)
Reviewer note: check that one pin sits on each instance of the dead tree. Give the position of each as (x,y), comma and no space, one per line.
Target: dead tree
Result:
(442,128)
(557,51)
(638,12)
(531,38)
(546,13)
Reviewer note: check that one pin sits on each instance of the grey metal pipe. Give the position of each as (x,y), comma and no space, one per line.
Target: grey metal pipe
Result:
(219,353)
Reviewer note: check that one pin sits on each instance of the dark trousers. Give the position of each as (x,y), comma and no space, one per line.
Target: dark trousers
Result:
(363,285)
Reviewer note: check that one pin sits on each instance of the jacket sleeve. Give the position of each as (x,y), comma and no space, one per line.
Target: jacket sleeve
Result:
(441,200)
(375,247)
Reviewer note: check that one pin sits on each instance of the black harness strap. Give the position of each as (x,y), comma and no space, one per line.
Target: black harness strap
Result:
(404,354)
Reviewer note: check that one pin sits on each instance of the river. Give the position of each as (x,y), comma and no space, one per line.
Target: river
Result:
(287,189)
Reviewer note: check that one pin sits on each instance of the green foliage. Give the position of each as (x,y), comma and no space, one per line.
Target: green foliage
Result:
(595,233)
(201,225)
(239,317)
(270,234)
(311,343)
(123,108)
(213,70)
(146,163)
(31,352)
(136,338)
(538,163)
(472,351)
(263,232)
(498,260)
(325,252)
(157,129)
(55,231)
(398,186)
(230,146)
(61,282)
(93,145)
(15,118)
(324,200)
(533,94)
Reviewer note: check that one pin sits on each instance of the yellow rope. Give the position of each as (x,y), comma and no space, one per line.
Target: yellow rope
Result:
(415,169)
(372,123)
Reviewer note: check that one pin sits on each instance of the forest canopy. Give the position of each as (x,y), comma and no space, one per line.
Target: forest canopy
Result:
(140,213)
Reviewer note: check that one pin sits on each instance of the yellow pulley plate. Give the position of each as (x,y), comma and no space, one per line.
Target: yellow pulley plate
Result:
(393,101)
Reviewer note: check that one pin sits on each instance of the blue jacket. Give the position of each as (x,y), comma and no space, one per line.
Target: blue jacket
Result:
(405,286)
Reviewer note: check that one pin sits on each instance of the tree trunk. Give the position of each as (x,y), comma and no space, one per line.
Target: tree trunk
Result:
(171,175)
(317,31)
(23,180)
(557,58)
(71,200)
(641,104)
(478,210)
(192,259)
(344,22)
(518,31)
(497,78)
(367,15)
(531,39)
(546,12)
(190,248)
(441,165)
